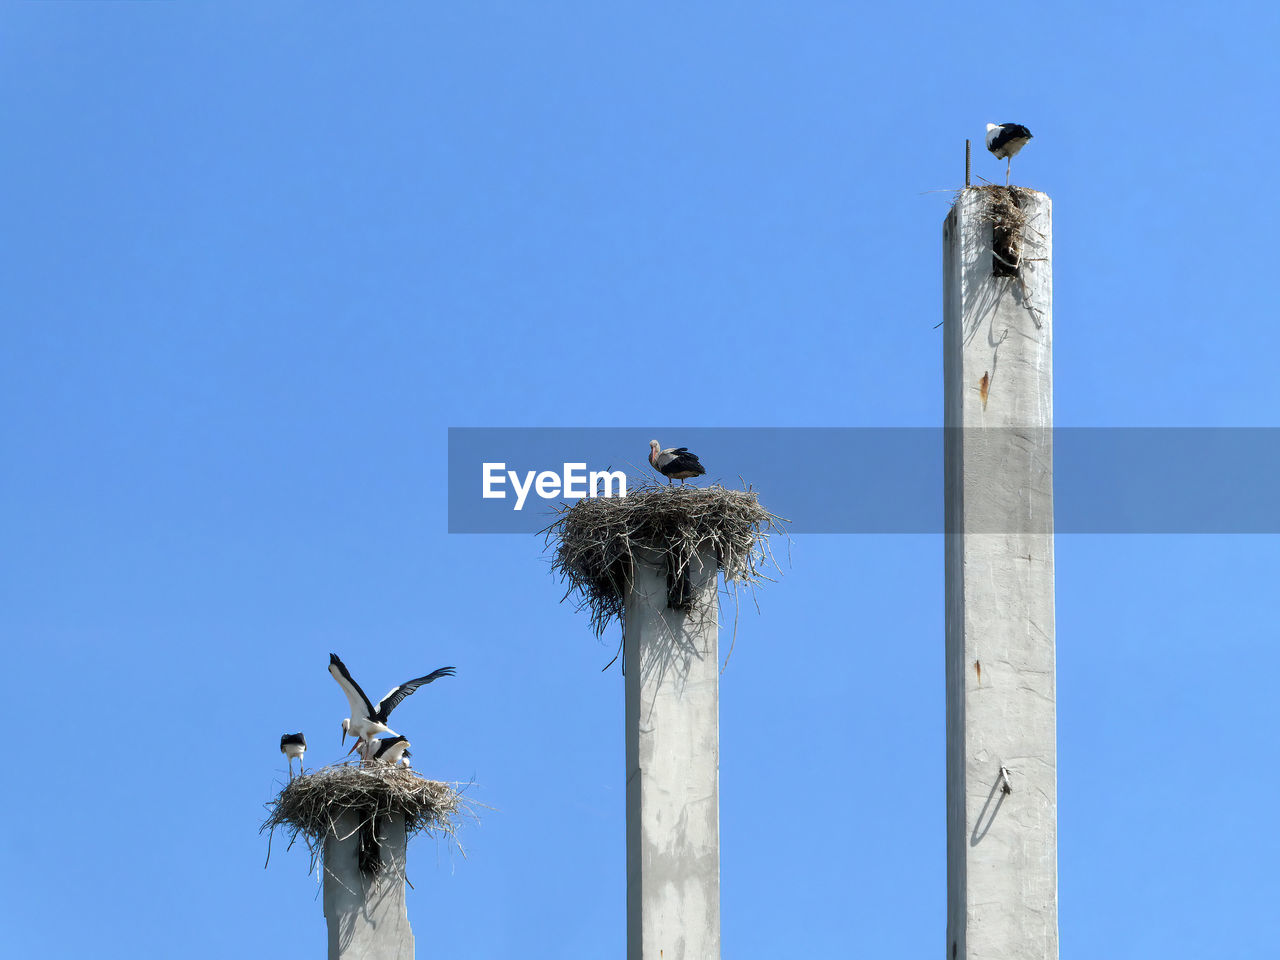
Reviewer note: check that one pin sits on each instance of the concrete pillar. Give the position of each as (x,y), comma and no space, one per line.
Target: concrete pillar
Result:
(1002,876)
(366,915)
(673,767)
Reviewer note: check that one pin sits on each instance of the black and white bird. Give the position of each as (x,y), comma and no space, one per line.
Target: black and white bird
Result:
(293,746)
(1005,140)
(675,463)
(390,749)
(367,719)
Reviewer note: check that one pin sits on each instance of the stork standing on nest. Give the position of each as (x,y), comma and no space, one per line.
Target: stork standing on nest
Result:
(390,749)
(293,746)
(675,463)
(1005,140)
(367,719)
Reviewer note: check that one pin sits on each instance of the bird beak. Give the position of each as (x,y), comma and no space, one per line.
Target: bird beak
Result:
(353,748)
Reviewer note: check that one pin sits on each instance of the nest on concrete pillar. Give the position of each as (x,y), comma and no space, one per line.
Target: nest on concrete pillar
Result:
(596,541)
(311,805)
(1005,208)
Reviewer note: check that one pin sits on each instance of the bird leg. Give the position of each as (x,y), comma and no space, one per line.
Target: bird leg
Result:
(1007,171)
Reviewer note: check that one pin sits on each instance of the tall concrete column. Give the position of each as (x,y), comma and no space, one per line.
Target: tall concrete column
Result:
(367,916)
(673,767)
(1002,877)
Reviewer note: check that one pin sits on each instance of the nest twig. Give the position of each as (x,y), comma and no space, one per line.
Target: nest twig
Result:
(596,540)
(310,806)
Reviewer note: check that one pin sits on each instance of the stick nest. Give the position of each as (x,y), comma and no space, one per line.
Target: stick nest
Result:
(596,540)
(1004,207)
(310,805)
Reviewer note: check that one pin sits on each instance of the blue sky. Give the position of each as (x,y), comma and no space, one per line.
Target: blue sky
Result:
(258,258)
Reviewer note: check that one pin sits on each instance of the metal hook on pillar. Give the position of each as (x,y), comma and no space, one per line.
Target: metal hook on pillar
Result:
(1006,785)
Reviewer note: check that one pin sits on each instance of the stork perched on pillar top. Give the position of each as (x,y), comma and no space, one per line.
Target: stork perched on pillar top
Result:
(675,463)
(1005,140)
(367,719)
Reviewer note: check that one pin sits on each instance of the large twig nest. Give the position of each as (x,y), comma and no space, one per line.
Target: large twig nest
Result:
(310,806)
(596,541)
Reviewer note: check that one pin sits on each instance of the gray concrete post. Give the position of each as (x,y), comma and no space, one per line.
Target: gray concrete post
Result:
(673,767)
(367,916)
(1002,876)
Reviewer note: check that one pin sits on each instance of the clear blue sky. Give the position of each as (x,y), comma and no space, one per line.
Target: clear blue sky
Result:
(258,257)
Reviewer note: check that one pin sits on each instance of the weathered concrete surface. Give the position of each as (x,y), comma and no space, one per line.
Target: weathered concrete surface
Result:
(1002,884)
(367,919)
(673,769)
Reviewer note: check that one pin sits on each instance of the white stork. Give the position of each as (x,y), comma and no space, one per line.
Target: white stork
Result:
(390,749)
(293,746)
(368,719)
(675,463)
(1005,140)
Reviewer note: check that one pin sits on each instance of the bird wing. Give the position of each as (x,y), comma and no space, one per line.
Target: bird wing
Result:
(681,460)
(387,743)
(396,694)
(360,705)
